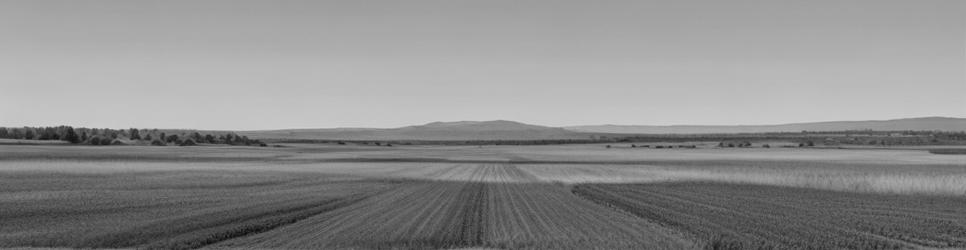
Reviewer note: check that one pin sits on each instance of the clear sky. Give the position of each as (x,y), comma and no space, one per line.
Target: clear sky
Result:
(238,64)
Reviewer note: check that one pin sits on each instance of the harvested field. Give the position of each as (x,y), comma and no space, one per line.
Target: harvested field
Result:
(733,216)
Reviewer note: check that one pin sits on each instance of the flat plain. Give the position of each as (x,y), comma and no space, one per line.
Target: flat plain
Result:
(506,197)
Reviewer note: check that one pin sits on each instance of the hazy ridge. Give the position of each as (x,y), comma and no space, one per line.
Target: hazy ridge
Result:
(461,130)
(922,123)
(510,130)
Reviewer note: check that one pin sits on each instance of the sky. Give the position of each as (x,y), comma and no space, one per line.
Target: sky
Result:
(247,65)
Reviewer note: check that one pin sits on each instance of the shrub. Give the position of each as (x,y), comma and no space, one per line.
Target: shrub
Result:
(158,143)
(188,142)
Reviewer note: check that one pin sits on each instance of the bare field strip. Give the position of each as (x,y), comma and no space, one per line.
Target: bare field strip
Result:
(470,214)
(170,210)
(734,216)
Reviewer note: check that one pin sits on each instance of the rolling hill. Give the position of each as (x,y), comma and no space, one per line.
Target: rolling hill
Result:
(923,123)
(510,130)
(436,131)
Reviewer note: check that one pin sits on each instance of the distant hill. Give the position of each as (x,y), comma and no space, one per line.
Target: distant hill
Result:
(436,131)
(923,123)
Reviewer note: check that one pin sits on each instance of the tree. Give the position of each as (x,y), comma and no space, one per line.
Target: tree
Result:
(171,138)
(28,133)
(99,140)
(16,133)
(4,133)
(210,138)
(70,135)
(147,137)
(135,134)
(83,136)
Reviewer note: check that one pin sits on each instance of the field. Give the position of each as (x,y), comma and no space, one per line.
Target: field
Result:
(526,197)
(750,216)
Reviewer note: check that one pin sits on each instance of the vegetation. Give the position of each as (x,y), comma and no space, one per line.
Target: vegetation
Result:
(949,151)
(105,136)
(733,216)
(804,139)
(438,215)
(545,197)
(164,210)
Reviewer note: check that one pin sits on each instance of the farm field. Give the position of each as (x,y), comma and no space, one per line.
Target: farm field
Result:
(506,197)
(471,214)
(751,216)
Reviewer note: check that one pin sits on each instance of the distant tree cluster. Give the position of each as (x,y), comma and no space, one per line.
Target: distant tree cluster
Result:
(106,136)
(741,144)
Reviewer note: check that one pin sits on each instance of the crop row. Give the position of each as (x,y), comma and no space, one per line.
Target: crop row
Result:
(432,215)
(164,210)
(741,216)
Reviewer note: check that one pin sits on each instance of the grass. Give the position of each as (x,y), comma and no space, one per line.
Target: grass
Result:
(737,216)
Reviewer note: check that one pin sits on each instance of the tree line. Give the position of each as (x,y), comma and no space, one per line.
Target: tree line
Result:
(107,136)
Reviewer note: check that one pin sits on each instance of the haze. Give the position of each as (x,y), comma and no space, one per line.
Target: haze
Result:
(302,64)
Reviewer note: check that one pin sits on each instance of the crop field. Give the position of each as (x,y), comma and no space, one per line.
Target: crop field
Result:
(161,210)
(511,197)
(471,214)
(750,216)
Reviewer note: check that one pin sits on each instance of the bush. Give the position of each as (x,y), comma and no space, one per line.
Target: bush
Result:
(158,143)
(116,142)
(100,141)
(188,142)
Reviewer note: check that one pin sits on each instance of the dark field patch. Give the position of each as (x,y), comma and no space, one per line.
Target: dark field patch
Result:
(949,151)
(735,216)
(164,210)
